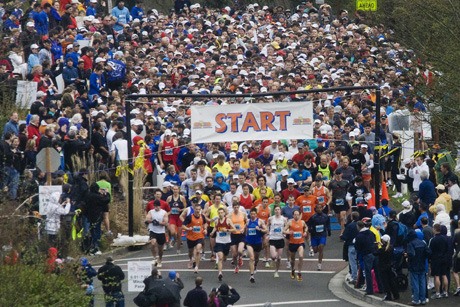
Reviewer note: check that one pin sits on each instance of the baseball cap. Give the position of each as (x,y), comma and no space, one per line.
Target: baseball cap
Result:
(291,181)
(166,184)
(232,155)
(168,132)
(284,173)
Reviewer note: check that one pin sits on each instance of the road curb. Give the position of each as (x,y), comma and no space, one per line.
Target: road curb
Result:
(356,293)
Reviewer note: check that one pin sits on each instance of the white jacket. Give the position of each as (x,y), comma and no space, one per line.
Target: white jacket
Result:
(415,174)
(442,218)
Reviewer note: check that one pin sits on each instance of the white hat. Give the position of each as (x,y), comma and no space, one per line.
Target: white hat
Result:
(136,122)
(30,24)
(291,180)
(406,204)
(284,172)
(232,155)
(168,132)
(40,94)
(69,46)
(99,59)
(34,46)
(166,184)
(385,238)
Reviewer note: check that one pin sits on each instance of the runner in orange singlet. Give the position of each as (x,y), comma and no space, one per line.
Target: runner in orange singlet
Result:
(195,225)
(297,231)
(322,193)
(307,203)
(263,213)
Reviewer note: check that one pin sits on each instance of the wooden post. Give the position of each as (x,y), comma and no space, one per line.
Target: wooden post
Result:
(48,166)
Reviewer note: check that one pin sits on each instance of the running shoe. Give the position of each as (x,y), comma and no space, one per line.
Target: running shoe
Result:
(220,277)
(237,269)
(299,277)
(444,295)
(240,261)
(252,279)
(276,275)
(292,274)
(435,296)
(159,265)
(319,266)
(154,262)
(267,264)
(288,264)
(311,253)
(190,265)
(194,264)
(457,292)
(196,270)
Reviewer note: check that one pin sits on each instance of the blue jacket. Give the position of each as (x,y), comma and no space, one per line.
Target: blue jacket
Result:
(427,193)
(9,24)
(69,74)
(122,16)
(91,11)
(417,253)
(32,61)
(74,56)
(41,22)
(222,185)
(137,12)
(56,50)
(95,84)
(11,127)
(118,71)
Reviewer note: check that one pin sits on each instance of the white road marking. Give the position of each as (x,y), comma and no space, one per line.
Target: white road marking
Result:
(290,303)
(232,271)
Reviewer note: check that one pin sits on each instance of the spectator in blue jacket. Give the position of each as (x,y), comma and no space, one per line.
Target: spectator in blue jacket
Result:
(10,23)
(137,11)
(116,72)
(417,255)
(69,73)
(96,81)
(12,125)
(72,52)
(53,16)
(91,10)
(41,19)
(121,13)
(33,58)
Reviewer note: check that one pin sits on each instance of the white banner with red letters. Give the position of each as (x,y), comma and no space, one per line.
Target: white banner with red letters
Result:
(254,121)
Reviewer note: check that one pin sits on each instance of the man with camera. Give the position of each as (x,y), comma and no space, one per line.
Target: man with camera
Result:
(156,220)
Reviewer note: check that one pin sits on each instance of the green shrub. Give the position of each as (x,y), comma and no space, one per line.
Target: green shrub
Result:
(30,285)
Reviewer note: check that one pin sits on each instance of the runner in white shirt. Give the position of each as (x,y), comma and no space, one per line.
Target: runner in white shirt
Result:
(157,220)
(276,224)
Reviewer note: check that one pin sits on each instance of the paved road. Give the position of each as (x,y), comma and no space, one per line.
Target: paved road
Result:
(283,291)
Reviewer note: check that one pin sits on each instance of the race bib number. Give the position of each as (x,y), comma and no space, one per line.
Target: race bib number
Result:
(222,234)
(196,229)
(277,230)
(359,200)
(339,202)
(306,209)
(169,152)
(238,227)
(252,231)
(174,210)
(297,235)
(319,228)
(321,199)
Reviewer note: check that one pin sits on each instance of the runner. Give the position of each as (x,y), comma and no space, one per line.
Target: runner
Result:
(224,227)
(254,234)
(276,224)
(157,220)
(177,203)
(246,198)
(297,231)
(263,213)
(195,225)
(339,188)
(288,213)
(239,220)
(212,214)
(307,203)
(319,227)
(322,193)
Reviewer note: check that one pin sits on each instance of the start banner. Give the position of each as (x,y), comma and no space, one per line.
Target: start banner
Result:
(255,121)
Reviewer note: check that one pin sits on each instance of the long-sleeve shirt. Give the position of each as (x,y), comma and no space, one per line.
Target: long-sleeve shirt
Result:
(123,17)
(415,173)
(319,225)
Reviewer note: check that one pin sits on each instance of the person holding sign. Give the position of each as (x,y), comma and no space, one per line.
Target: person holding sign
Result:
(195,225)
(319,226)
(297,231)
(223,228)
(157,219)
(255,231)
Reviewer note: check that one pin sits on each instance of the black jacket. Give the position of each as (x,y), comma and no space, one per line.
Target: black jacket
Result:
(111,276)
(365,242)
(196,298)
(96,204)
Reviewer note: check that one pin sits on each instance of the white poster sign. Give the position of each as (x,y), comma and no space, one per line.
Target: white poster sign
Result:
(60,83)
(255,121)
(46,195)
(137,272)
(26,93)
(84,43)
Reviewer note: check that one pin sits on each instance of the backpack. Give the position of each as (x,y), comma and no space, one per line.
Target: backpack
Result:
(402,233)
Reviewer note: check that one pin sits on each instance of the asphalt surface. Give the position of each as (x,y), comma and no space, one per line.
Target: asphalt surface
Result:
(282,291)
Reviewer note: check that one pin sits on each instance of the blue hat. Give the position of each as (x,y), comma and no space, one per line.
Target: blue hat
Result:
(169,125)
(84,261)
(172,275)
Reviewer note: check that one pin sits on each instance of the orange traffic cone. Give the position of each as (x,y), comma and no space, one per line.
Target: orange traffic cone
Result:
(371,202)
(384,192)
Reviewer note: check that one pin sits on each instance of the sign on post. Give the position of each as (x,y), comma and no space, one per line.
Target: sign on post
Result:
(366,5)
(137,272)
(26,93)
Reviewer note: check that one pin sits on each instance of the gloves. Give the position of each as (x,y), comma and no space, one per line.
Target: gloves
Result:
(155,223)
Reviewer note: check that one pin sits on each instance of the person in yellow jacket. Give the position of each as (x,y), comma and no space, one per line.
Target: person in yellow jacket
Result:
(443,198)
